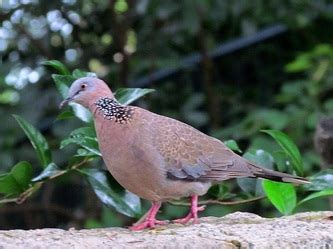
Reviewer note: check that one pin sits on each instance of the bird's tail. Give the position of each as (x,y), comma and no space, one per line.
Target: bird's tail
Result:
(279,177)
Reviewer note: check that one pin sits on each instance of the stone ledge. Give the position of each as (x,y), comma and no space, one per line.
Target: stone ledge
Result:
(236,230)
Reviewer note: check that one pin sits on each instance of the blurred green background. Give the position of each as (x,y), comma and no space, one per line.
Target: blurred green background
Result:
(228,68)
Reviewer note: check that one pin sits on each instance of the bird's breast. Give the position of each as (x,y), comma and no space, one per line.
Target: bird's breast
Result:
(129,159)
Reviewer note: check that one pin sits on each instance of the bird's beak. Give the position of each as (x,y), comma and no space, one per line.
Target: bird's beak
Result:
(65,102)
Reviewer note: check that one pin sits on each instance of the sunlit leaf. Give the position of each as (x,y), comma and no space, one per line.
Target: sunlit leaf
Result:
(281,195)
(232,144)
(326,192)
(81,112)
(85,153)
(320,181)
(63,83)
(51,170)
(57,65)
(103,185)
(289,148)
(126,96)
(37,140)
(85,137)
(301,63)
(262,159)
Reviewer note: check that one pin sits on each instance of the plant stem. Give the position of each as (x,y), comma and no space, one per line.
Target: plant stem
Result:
(219,202)
(27,193)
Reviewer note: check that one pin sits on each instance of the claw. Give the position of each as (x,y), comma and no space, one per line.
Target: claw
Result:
(150,221)
(193,214)
(147,224)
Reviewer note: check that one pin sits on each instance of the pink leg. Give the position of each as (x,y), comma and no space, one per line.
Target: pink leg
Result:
(150,220)
(193,214)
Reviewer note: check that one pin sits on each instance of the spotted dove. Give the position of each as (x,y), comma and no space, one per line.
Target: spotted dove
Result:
(159,158)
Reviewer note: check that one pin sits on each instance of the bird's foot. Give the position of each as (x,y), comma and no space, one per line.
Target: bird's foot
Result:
(193,214)
(149,220)
(148,223)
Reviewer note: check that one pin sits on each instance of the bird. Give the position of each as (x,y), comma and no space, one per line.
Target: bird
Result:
(159,158)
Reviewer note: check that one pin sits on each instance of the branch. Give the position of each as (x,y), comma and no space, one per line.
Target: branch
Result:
(27,193)
(219,202)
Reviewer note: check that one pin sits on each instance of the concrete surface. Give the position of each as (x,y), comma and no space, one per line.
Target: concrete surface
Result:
(236,230)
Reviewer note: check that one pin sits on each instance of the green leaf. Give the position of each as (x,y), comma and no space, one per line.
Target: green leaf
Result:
(320,181)
(9,97)
(110,193)
(300,64)
(63,83)
(17,180)
(126,96)
(326,192)
(51,170)
(289,148)
(81,112)
(37,140)
(65,115)
(84,137)
(22,173)
(61,68)
(260,158)
(8,185)
(85,153)
(77,73)
(282,195)
(232,144)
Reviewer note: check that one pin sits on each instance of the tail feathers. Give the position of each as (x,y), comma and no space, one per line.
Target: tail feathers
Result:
(280,177)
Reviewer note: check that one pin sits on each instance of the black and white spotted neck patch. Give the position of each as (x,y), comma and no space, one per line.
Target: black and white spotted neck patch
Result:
(113,110)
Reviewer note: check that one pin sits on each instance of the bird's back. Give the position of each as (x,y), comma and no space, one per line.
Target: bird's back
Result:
(189,154)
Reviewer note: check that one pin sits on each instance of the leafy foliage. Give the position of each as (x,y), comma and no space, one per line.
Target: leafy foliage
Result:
(289,148)
(84,137)
(108,191)
(19,179)
(232,144)
(129,95)
(282,195)
(323,193)
(124,40)
(37,140)
(112,194)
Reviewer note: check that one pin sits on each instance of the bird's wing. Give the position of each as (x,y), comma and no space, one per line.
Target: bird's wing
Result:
(192,155)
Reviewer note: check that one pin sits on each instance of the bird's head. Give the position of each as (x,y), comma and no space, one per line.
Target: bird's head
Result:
(86,91)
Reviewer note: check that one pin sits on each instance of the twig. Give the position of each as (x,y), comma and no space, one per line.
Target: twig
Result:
(3,201)
(23,196)
(219,202)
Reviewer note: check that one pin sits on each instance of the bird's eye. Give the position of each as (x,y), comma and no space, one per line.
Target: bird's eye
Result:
(83,86)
